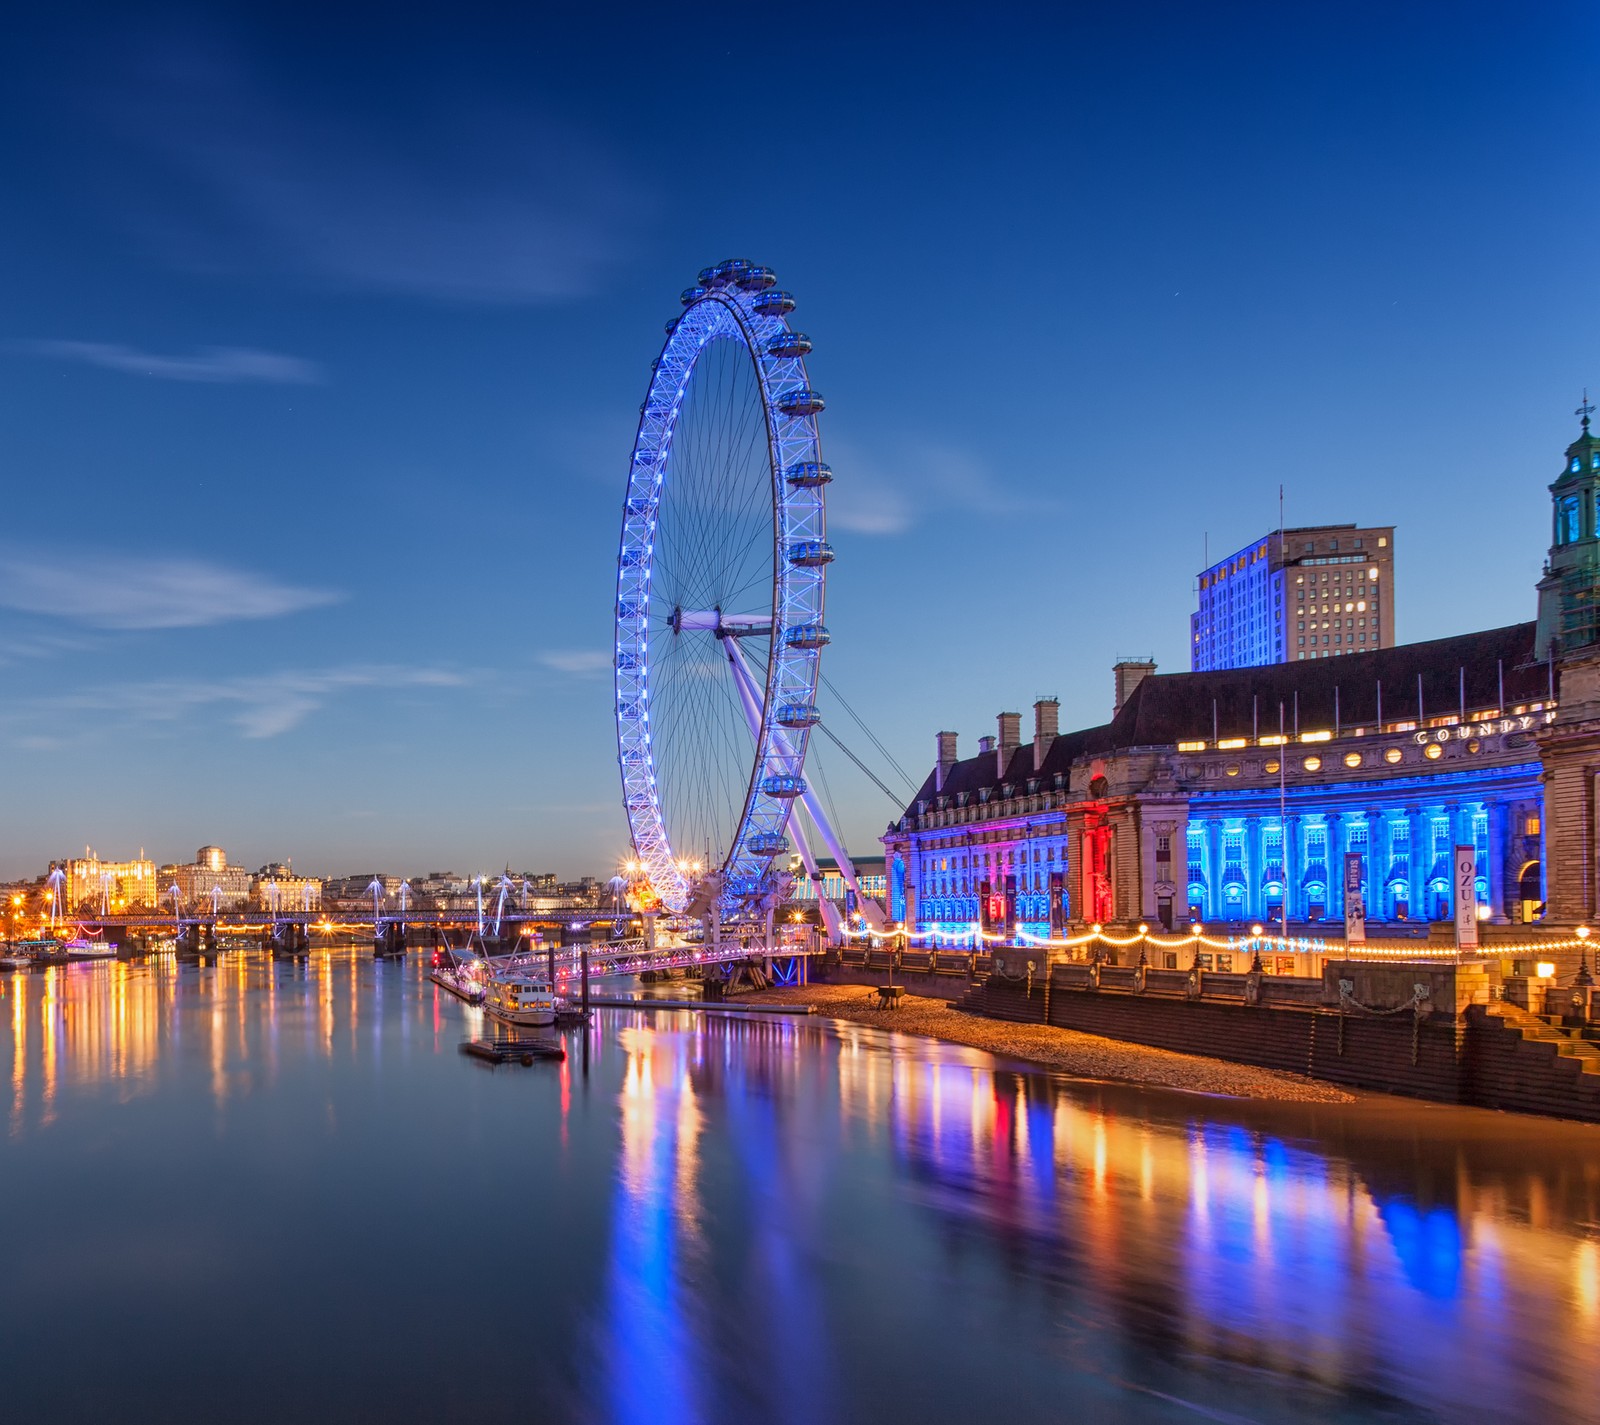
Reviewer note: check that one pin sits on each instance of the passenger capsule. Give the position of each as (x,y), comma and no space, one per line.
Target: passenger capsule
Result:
(767,843)
(798,715)
(810,553)
(731,270)
(757,279)
(672,326)
(690,295)
(774,303)
(808,474)
(708,277)
(778,786)
(807,635)
(788,344)
(802,401)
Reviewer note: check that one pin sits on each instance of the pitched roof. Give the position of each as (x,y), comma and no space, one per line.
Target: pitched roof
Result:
(1168,708)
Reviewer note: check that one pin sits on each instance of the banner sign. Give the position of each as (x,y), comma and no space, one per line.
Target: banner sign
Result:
(1058,910)
(1466,896)
(1355,908)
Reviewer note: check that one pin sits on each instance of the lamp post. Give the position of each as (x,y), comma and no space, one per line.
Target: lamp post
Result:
(1256,966)
(1196,930)
(1584,978)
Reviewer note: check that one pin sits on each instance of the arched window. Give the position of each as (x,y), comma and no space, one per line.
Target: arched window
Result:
(1567,519)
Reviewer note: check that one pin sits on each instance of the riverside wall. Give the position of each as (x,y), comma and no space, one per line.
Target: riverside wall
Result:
(1423,1029)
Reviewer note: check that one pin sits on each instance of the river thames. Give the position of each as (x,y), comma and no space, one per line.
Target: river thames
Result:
(275,1191)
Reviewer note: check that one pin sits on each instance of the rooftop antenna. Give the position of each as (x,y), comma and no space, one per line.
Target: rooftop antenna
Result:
(1585,410)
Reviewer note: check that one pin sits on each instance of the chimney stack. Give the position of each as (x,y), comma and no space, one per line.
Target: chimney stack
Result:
(1046,728)
(947,759)
(1010,740)
(1129,673)
(985,744)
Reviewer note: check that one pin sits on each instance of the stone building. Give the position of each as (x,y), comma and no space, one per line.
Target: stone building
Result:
(1235,796)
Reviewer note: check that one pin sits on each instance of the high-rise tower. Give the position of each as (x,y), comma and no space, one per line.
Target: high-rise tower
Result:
(1569,593)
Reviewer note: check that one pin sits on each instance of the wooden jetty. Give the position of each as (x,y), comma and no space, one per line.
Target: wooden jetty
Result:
(513,1050)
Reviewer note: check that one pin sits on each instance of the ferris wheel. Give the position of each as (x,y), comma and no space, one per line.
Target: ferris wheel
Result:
(719,612)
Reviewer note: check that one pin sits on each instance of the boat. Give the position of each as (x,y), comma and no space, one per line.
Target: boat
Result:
(81,949)
(520,998)
(15,962)
(464,978)
(37,951)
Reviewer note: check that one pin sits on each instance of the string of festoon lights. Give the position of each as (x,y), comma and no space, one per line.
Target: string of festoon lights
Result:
(1257,937)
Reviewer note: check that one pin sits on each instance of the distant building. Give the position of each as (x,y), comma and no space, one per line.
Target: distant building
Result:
(93,884)
(208,879)
(276,888)
(870,876)
(1296,594)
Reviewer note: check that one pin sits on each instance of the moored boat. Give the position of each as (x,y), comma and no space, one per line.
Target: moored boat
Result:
(82,949)
(520,998)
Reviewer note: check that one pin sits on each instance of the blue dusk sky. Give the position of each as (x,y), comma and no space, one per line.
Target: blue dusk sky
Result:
(323,331)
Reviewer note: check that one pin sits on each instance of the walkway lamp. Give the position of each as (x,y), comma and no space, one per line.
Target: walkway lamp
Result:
(1584,977)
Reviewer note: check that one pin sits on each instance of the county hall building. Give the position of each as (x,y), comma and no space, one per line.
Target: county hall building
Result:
(1230,795)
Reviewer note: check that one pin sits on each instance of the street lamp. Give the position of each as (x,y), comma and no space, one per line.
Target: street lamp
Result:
(1584,977)
(1256,966)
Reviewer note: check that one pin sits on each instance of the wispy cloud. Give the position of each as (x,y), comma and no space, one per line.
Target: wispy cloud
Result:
(217,365)
(878,496)
(584,662)
(126,592)
(463,195)
(258,705)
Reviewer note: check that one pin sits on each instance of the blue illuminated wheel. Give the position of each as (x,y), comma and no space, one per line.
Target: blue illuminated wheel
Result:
(720,582)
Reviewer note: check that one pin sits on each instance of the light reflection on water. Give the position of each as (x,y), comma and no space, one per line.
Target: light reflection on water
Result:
(287,1167)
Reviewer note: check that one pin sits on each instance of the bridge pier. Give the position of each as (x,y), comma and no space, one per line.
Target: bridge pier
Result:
(288,939)
(389,940)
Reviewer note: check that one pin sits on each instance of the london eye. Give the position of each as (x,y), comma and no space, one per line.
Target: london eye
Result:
(720,589)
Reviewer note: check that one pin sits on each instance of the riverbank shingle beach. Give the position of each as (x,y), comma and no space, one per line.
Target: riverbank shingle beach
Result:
(1085,1055)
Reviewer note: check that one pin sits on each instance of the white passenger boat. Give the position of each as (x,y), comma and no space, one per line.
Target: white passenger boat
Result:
(519,998)
(464,979)
(81,949)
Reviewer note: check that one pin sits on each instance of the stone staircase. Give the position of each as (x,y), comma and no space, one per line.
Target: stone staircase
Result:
(1571,1042)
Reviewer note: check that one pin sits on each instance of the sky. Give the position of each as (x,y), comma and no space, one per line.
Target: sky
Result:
(323,332)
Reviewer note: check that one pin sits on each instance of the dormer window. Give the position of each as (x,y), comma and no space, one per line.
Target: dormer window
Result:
(1577,464)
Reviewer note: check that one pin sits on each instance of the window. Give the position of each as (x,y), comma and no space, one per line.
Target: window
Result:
(1577,464)
(1271,768)
(1567,519)
(1352,759)
(1312,764)
(1530,824)
(1433,752)
(1383,541)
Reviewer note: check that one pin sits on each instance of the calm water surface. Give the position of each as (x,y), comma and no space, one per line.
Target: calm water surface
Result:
(258,1191)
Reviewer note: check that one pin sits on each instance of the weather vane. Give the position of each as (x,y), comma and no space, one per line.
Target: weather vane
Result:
(1585,410)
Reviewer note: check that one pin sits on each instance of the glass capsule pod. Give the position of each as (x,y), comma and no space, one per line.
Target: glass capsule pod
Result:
(808,474)
(801,402)
(788,344)
(781,786)
(757,279)
(798,715)
(774,304)
(807,635)
(690,295)
(768,843)
(810,553)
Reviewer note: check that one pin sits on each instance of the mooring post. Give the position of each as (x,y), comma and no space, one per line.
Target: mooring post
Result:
(550,960)
(583,960)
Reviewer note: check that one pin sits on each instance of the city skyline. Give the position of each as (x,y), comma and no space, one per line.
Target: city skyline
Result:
(320,395)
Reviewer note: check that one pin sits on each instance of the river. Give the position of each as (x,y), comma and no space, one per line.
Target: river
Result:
(275,1191)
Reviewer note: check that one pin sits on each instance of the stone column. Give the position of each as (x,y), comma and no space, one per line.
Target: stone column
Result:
(1294,867)
(1420,848)
(1499,851)
(1254,898)
(1377,865)
(1335,824)
(1214,868)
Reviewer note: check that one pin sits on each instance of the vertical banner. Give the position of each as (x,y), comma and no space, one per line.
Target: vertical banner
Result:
(1466,896)
(985,905)
(1058,919)
(1355,907)
(1011,905)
